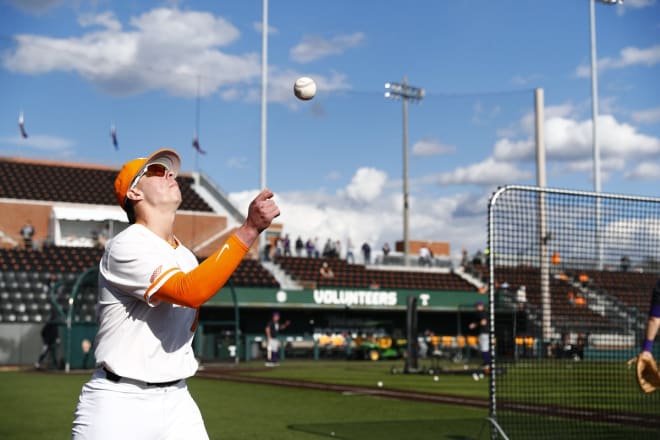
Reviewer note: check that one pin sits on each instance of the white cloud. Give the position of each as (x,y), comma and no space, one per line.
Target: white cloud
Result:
(318,214)
(313,47)
(636,4)
(508,149)
(629,56)
(106,20)
(44,143)
(644,171)
(568,139)
(431,147)
(164,49)
(648,116)
(367,184)
(488,172)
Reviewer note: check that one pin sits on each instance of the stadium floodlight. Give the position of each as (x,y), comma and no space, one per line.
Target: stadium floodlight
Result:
(404,92)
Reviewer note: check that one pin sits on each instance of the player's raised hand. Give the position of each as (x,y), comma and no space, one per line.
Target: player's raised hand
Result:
(261,212)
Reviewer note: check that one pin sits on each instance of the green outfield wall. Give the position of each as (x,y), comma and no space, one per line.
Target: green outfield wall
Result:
(342,298)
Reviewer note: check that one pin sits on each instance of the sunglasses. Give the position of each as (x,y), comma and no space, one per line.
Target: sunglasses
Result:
(151,170)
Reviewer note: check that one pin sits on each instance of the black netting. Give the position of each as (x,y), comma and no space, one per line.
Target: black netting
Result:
(571,276)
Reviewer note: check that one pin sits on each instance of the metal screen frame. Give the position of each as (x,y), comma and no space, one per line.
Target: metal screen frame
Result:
(497,429)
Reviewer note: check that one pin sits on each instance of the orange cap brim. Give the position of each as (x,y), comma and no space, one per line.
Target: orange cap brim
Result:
(132,168)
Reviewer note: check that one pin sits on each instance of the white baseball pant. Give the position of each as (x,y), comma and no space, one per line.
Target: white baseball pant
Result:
(129,410)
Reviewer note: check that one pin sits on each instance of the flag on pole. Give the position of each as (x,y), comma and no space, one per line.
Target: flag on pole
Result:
(21,125)
(113,135)
(195,144)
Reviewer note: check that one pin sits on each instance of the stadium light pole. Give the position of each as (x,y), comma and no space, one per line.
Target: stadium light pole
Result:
(264,106)
(404,92)
(594,118)
(594,88)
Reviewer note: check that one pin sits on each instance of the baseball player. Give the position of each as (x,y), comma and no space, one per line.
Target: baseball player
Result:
(150,292)
(653,324)
(273,329)
(646,368)
(484,338)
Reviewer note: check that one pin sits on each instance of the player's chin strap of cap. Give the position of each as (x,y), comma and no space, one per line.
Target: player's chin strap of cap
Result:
(112,377)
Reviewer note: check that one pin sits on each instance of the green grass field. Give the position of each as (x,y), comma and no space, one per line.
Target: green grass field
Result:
(40,405)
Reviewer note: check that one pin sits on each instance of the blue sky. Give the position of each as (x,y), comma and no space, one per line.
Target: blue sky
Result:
(74,68)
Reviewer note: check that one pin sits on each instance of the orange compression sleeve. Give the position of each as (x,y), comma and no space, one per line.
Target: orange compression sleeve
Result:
(194,288)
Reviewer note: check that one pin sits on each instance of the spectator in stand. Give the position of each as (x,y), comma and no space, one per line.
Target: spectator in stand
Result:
(99,237)
(309,247)
(299,246)
(286,245)
(104,235)
(556,259)
(337,249)
(386,252)
(571,297)
(625,263)
(478,258)
(521,297)
(464,258)
(267,250)
(279,246)
(350,258)
(326,271)
(583,278)
(425,257)
(366,253)
(317,248)
(27,232)
(328,251)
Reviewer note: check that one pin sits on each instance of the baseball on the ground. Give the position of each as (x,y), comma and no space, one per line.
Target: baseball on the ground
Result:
(304,88)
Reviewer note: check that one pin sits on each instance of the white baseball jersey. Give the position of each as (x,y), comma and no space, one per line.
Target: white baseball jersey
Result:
(140,338)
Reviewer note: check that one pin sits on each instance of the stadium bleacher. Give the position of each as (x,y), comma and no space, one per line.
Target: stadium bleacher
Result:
(27,275)
(624,286)
(37,181)
(359,276)
(26,278)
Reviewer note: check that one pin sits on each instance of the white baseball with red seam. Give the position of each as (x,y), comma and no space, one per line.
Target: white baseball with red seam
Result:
(304,88)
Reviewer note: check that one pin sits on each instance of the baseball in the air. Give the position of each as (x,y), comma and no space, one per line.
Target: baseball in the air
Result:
(304,88)
(380,384)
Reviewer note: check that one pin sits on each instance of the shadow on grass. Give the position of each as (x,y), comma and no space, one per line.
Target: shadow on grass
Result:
(451,429)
